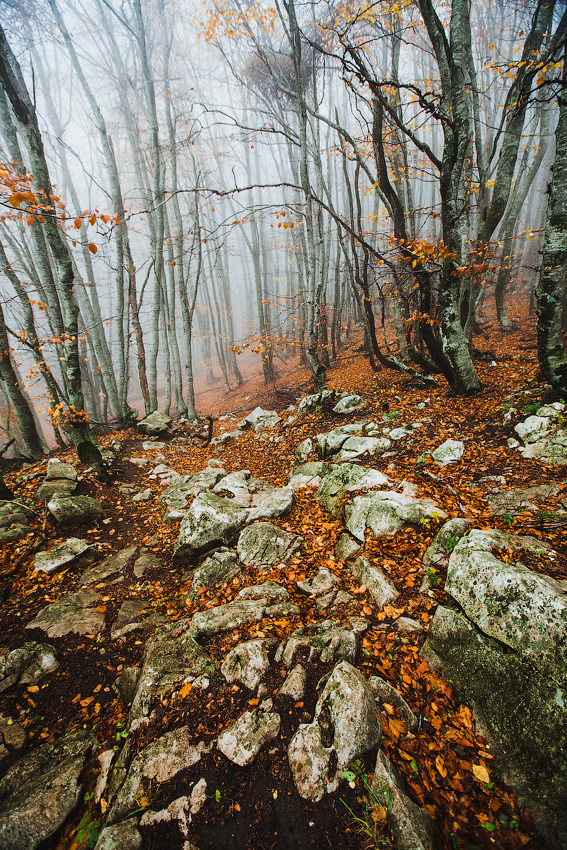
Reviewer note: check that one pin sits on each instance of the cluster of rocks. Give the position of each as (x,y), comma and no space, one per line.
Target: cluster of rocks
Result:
(543,435)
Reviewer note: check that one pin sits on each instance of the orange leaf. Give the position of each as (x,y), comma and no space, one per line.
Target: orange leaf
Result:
(33,689)
(185,690)
(92,248)
(480,773)
(92,218)
(440,766)
(77,223)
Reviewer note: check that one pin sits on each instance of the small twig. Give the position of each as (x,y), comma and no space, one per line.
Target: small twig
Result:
(425,474)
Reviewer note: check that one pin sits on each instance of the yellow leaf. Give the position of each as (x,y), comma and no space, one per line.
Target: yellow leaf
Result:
(92,248)
(480,773)
(185,690)
(103,805)
(491,46)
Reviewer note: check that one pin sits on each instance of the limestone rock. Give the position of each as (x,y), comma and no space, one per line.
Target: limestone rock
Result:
(57,469)
(71,511)
(265,543)
(40,791)
(385,692)
(157,763)
(242,742)
(154,424)
(445,541)
(349,403)
(307,475)
(385,513)
(294,684)
(380,587)
(73,553)
(17,532)
(147,560)
(235,487)
(260,419)
(323,582)
(303,450)
(412,827)
(184,487)
(346,547)
(451,451)
(269,590)
(357,446)
(127,684)
(144,495)
(27,665)
(219,567)
(10,513)
(309,761)
(276,503)
(120,836)
(345,479)
(247,663)
(224,618)
(326,641)
(210,522)
(48,490)
(111,566)
(75,612)
(12,736)
(514,501)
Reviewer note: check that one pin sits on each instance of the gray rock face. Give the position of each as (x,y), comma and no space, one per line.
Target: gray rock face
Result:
(514,501)
(345,479)
(412,827)
(303,450)
(294,684)
(307,475)
(385,692)
(506,653)
(445,541)
(224,618)
(71,511)
(73,553)
(451,451)
(172,658)
(160,761)
(48,490)
(154,424)
(349,403)
(184,487)
(327,642)
(242,742)
(265,543)
(380,587)
(346,547)
(121,836)
(357,446)
(210,522)
(10,513)
(386,513)
(260,419)
(277,502)
(216,569)
(41,790)
(544,437)
(350,441)
(247,663)
(111,566)
(346,708)
(323,582)
(27,665)
(58,469)
(269,590)
(75,612)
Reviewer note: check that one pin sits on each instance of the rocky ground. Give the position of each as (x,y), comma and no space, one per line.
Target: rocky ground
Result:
(190,668)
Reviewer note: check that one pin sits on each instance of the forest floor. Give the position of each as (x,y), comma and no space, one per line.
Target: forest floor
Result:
(260,808)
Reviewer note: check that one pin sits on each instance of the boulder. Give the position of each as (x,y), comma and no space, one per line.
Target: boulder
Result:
(71,511)
(120,836)
(210,522)
(323,582)
(219,567)
(505,650)
(275,503)
(349,403)
(303,450)
(154,424)
(266,544)
(12,736)
(295,683)
(346,547)
(247,663)
(357,446)
(380,587)
(17,532)
(412,827)
(224,618)
(385,513)
(144,495)
(157,763)
(325,641)
(345,479)
(40,791)
(385,692)
(57,487)
(73,553)
(235,487)
(10,513)
(346,711)
(27,665)
(260,419)
(437,554)
(545,435)
(184,487)
(268,590)
(307,475)
(242,741)
(147,560)
(111,566)
(57,469)
(512,502)
(451,451)
(75,612)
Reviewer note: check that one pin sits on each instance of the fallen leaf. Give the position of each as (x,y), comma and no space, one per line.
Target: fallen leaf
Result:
(480,773)
(33,689)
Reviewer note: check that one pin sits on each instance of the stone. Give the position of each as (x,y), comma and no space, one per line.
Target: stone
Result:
(224,618)
(172,659)
(157,763)
(505,650)
(111,566)
(349,403)
(73,553)
(75,612)
(346,547)
(27,665)
(146,561)
(266,544)
(247,663)
(385,692)
(413,828)
(12,535)
(303,450)
(128,618)
(12,736)
(451,451)
(165,475)
(400,433)
(57,469)
(276,503)
(242,741)
(357,446)
(513,502)
(295,683)
(144,495)
(268,590)
(127,683)
(406,624)
(345,479)
(154,424)
(235,487)
(120,836)
(58,487)
(210,522)
(307,475)
(219,567)
(437,554)
(324,602)
(260,419)
(149,445)
(40,791)
(385,513)
(382,590)
(71,511)
(323,582)
(346,710)
(325,641)
(10,513)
